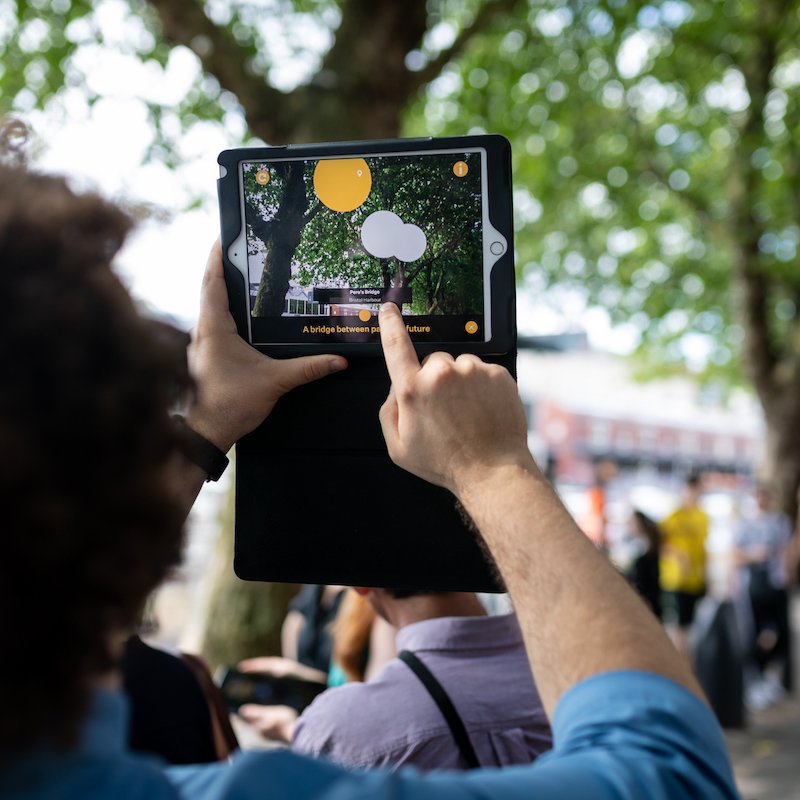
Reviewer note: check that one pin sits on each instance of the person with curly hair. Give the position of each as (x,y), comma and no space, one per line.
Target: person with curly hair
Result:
(95,489)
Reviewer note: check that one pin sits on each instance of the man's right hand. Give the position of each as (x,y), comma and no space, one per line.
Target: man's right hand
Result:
(449,420)
(274,723)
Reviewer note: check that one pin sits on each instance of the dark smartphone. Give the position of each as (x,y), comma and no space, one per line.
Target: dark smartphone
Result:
(239,688)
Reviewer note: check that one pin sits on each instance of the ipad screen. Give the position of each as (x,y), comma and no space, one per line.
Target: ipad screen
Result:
(330,239)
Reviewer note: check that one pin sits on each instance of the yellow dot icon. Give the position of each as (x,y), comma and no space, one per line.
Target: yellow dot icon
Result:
(471,326)
(262,177)
(460,169)
(365,315)
(342,184)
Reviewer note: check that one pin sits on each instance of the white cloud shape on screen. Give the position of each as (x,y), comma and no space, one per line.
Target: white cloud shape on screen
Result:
(385,235)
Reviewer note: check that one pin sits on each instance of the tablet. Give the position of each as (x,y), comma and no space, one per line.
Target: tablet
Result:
(316,237)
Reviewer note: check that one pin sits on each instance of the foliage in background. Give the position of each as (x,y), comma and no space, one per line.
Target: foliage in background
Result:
(657,174)
(657,145)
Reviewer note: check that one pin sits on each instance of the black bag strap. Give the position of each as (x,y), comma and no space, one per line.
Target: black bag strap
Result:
(442,699)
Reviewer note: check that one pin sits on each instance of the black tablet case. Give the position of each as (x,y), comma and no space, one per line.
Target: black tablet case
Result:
(319,501)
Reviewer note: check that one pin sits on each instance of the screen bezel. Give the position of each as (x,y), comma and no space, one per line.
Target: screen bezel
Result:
(498,270)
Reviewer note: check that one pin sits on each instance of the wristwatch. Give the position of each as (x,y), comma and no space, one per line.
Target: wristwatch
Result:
(197,449)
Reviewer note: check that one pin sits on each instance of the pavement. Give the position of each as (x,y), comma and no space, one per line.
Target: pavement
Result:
(766,753)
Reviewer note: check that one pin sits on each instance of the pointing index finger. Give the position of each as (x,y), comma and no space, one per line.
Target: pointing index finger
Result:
(401,358)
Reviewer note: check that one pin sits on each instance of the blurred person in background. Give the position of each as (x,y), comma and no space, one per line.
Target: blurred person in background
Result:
(644,571)
(306,637)
(683,561)
(594,519)
(762,543)
(361,643)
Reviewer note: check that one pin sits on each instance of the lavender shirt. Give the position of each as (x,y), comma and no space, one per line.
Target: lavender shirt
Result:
(392,720)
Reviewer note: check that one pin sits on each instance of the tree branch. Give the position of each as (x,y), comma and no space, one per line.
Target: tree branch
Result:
(490,11)
(261,228)
(447,248)
(312,212)
(184,22)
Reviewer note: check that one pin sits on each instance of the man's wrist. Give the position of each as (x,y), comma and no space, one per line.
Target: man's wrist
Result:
(199,449)
(478,483)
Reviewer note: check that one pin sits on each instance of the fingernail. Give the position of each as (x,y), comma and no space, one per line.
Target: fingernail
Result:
(337,364)
(387,306)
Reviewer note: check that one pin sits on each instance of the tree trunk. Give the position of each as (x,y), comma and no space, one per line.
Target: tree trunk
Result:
(783,447)
(282,241)
(772,366)
(246,618)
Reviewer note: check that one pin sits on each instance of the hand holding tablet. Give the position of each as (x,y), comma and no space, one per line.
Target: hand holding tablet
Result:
(315,238)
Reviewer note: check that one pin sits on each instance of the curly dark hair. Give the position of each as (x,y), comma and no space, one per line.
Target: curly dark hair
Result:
(89,526)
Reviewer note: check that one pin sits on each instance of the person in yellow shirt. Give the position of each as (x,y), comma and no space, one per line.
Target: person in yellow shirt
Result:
(683,561)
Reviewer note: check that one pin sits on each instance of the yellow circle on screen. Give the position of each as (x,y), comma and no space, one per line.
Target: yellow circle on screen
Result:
(342,184)
(262,177)
(460,169)
(471,326)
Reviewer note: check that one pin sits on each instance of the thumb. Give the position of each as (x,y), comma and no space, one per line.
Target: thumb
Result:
(287,374)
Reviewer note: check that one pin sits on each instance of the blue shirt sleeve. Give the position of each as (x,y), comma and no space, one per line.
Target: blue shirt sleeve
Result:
(618,736)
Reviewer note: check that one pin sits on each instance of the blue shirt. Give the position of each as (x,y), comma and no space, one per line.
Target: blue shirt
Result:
(99,767)
(618,736)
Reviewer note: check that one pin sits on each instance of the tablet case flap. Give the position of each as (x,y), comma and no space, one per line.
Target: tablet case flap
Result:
(319,501)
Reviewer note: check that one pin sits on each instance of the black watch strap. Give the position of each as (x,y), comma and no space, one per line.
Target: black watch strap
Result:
(197,449)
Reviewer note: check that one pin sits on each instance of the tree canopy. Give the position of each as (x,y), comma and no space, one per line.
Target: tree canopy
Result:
(327,249)
(657,169)
(656,145)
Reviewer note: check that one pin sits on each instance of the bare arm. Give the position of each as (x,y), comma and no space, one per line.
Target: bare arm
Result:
(459,423)
(280,667)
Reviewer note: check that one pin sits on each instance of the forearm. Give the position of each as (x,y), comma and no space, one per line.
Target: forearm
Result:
(201,455)
(577,615)
(459,423)
(310,674)
(186,480)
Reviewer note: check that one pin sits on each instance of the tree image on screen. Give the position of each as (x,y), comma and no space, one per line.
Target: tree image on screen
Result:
(396,223)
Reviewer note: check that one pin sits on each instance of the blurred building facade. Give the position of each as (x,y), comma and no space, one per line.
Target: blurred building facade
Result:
(586,408)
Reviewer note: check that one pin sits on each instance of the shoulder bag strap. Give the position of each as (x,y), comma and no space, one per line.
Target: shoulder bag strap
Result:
(442,699)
